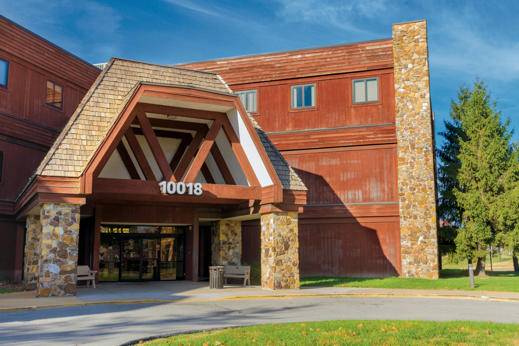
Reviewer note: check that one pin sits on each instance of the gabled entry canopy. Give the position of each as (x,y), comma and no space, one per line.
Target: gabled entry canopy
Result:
(142,124)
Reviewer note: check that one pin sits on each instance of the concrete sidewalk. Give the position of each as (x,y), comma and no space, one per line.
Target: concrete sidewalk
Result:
(185,291)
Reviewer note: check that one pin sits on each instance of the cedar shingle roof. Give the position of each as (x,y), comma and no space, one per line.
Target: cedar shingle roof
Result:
(100,107)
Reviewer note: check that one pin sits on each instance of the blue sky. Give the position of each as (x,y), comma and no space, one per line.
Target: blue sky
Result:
(467,39)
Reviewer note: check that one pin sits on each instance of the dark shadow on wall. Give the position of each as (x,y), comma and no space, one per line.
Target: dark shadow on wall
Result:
(332,241)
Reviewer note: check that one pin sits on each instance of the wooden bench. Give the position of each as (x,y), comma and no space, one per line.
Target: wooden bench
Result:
(85,274)
(237,272)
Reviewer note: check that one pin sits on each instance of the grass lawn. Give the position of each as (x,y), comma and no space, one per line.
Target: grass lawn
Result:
(356,333)
(450,279)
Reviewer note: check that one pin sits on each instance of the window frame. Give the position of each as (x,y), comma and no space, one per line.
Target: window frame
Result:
(303,107)
(365,80)
(52,104)
(255,91)
(4,86)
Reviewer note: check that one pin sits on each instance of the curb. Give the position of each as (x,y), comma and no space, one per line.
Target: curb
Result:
(265,297)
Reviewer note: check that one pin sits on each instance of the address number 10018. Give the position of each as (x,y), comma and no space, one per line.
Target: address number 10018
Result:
(180,188)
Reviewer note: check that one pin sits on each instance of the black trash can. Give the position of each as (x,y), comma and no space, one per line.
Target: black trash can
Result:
(216,277)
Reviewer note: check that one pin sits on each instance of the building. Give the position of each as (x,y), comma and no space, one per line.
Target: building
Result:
(317,161)
(40,87)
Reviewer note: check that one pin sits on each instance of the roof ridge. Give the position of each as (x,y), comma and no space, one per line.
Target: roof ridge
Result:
(244,56)
(170,66)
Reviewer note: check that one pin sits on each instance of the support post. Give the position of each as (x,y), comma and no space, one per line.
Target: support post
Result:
(59,249)
(279,250)
(32,252)
(196,249)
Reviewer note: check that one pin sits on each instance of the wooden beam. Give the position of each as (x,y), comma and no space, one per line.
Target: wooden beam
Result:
(128,163)
(164,133)
(222,165)
(207,174)
(240,153)
(155,147)
(189,155)
(177,125)
(142,190)
(203,152)
(175,160)
(139,155)
(180,112)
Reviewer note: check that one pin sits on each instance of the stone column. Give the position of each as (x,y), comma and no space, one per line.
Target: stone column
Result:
(279,251)
(59,249)
(226,243)
(32,251)
(415,150)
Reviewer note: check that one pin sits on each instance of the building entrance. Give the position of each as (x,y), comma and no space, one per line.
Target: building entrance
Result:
(141,253)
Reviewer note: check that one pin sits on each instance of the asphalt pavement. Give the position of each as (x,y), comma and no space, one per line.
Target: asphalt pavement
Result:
(115,324)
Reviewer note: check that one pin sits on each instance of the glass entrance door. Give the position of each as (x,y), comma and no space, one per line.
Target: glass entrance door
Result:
(139,253)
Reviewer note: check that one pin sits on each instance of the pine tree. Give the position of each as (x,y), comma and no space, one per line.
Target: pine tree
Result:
(484,157)
(449,211)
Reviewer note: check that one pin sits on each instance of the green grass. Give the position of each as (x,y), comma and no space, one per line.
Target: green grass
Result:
(6,290)
(450,279)
(356,333)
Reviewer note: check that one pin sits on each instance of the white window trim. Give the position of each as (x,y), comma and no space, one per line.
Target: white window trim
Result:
(255,91)
(365,80)
(302,86)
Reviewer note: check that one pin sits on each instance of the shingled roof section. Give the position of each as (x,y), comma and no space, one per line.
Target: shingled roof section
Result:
(100,107)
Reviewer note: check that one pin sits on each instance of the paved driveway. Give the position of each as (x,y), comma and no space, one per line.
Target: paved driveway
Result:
(112,324)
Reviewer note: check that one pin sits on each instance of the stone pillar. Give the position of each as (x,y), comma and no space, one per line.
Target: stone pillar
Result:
(415,152)
(279,251)
(32,251)
(59,249)
(226,243)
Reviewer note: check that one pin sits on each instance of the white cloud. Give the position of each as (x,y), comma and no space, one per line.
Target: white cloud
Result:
(196,7)
(344,15)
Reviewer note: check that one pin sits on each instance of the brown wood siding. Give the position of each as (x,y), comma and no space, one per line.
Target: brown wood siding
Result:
(349,248)
(347,175)
(302,63)
(334,106)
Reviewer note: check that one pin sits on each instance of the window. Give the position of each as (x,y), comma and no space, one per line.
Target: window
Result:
(4,72)
(54,95)
(248,99)
(303,96)
(365,90)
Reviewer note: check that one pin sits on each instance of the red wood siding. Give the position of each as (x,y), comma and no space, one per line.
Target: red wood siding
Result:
(347,175)
(302,63)
(349,248)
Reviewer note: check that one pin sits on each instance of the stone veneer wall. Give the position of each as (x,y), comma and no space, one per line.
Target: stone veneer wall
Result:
(415,147)
(226,243)
(32,251)
(279,251)
(59,249)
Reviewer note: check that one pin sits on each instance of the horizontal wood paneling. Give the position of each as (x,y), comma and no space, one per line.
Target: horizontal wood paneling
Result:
(302,63)
(32,48)
(335,137)
(342,176)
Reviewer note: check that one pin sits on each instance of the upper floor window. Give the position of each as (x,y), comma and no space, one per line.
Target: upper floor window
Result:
(54,95)
(249,100)
(303,96)
(4,72)
(365,90)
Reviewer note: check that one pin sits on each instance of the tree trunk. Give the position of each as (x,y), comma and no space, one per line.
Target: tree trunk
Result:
(471,275)
(516,263)
(480,267)
(440,261)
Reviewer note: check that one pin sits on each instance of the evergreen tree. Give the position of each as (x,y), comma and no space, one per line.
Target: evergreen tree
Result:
(449,211)
(484,160)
